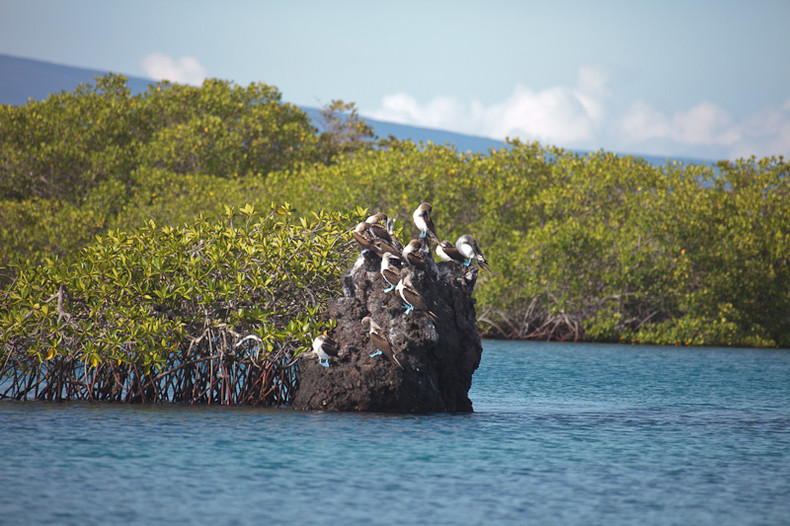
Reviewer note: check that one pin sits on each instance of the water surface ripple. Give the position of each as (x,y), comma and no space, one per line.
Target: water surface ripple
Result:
(561,434)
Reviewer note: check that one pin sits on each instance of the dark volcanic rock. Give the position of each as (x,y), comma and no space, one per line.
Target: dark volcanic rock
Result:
(438,358)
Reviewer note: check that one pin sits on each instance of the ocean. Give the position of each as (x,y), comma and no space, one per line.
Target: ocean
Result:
(561,434)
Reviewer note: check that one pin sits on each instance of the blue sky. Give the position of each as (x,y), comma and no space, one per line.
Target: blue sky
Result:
(706,79)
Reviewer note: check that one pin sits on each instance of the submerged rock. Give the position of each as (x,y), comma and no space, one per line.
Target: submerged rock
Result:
(438,358)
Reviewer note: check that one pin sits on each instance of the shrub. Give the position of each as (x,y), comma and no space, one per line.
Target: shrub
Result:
(210,312)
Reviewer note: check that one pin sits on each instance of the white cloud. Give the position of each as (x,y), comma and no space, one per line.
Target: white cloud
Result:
(185,70)
(765,133)
(710,126)
(586,116)
(642,122)
(442,112)
(558,115)
(704,124)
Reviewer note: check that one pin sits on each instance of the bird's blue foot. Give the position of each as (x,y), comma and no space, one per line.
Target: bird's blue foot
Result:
(423,234)
(408,308)
(325,363)
(390,288)
(375,354)
(467,262)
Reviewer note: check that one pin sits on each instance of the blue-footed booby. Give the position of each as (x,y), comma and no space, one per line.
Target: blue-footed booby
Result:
(383,239)
(412,298)
(363,236)
(414,255)
(390,270)
(324,347)
(422,218)
(379,340)
(467,246)
(448,252)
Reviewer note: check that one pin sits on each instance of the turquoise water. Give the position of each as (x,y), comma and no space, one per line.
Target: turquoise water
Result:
(561,434)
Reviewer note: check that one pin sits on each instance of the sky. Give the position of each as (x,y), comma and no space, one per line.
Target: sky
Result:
(708,79)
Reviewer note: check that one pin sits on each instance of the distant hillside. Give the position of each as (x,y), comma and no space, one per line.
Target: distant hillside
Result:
(22,79)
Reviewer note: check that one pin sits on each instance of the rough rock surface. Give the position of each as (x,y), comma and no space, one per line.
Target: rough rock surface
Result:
(438,358)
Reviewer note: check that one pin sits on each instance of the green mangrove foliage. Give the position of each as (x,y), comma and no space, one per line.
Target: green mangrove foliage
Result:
(81,159)
(594,247)
(211,312)
(344,132)
(597,247)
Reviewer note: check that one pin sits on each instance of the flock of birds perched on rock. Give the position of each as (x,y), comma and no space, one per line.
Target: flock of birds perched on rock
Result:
(398,262)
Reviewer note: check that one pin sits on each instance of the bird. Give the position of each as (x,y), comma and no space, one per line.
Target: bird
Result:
(414,255)
(412,298)
(378,230)
(422,218)
(391,230)
(379,340)
(324,347)
(363,236)
(379,217)
(448,252)
(382,239)
(467,246)
(390,270)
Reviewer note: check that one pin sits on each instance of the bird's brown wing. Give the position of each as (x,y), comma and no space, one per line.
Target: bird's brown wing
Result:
(454,254)
(330,346)
(429,224)
(414,298)
(416,259)
(364,242)
(386,246)
(381,344)
(392,275)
